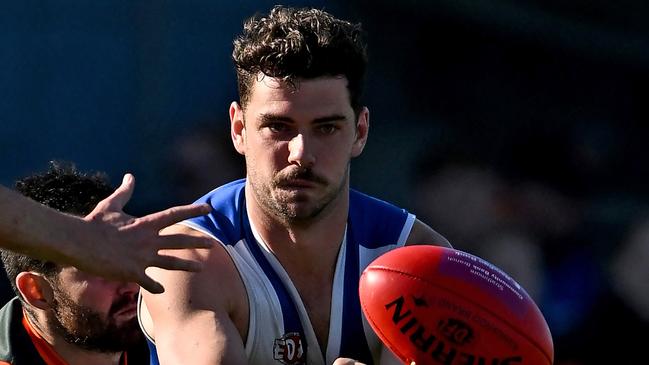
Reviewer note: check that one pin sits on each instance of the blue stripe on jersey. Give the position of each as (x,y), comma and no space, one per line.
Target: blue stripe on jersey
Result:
(290,314)
(224,221)
(153,354)
(372,223)
(353,343)
(377,223)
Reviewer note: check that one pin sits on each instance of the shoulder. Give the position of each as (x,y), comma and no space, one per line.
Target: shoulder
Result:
(375,222)
(11,316)
(370,204)
(385,217)
(228,207)
(225,196)
(422,234)
(16,347)
(216,263)
(217,285)
(198,312)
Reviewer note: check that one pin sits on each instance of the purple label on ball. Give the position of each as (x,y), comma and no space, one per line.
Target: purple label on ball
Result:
(473,269)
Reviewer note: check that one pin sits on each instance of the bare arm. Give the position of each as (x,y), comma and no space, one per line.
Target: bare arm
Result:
(192,321)
(422,234)
(107,242)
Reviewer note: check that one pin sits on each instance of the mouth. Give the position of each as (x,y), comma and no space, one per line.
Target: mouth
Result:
(129,310)
(297,184)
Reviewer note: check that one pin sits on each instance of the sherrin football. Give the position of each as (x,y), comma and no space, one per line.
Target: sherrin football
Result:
(436,305)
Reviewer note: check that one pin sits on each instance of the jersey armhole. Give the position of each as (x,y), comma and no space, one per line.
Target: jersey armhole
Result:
(407,227)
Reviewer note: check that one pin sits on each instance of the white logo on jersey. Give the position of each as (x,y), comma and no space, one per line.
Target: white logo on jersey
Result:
(288,349)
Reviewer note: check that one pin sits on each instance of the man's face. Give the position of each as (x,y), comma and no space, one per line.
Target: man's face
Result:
(298,144)
(94,313)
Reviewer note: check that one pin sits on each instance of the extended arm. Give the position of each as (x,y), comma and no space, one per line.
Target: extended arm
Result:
(107,242)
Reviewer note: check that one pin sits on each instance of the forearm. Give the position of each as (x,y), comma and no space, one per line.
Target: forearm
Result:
(36,230)
(107,242)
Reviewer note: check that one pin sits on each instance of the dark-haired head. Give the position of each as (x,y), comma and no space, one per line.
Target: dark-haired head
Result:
(65,189)
(292,44)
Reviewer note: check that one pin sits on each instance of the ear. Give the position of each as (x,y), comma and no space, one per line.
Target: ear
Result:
(362,130)
(237,127)
(35,290)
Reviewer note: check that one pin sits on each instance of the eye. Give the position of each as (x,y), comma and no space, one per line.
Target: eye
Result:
(327,128)
(277,127)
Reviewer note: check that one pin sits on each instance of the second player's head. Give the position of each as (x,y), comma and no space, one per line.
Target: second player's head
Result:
(85,310)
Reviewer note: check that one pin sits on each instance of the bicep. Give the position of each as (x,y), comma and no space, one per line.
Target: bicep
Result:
(199,337)
(191,320)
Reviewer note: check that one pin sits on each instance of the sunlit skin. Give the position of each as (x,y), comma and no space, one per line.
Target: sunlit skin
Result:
(112,301)
(86,318)
(298,145)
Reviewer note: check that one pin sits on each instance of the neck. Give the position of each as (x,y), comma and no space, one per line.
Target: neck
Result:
(71,354)
(76,356)
(307,246)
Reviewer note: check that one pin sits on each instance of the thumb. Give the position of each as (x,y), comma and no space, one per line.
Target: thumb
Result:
(118,199)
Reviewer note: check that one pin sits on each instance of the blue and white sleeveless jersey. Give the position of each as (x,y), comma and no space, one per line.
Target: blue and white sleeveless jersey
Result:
(279,330)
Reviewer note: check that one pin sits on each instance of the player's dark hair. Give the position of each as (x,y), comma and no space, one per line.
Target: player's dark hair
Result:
(293,43)
(65,189)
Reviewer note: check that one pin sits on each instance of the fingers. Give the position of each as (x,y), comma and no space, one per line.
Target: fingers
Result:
(122,195)
(169,263)
(346,361)
(180,241)
(174,263)
(174,215)
(118,199)
(151,285)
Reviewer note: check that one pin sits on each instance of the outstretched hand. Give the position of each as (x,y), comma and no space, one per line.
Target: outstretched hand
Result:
(129,244)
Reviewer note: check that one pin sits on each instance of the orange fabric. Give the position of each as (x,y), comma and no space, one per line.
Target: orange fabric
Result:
(45,349)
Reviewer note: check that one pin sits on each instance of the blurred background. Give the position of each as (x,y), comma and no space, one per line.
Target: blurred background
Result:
(518,129)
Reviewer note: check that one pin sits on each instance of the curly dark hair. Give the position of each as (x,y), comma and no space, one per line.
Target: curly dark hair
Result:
(293,43)
(65,189)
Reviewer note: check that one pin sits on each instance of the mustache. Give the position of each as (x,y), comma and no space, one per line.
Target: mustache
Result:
(299,173)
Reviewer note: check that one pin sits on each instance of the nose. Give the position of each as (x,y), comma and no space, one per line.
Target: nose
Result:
(300,151)
(128,289)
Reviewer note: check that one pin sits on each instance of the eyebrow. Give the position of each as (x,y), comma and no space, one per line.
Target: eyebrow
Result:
(329,118)
(269,118)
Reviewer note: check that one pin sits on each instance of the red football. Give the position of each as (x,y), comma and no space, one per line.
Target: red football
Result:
(436,305)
